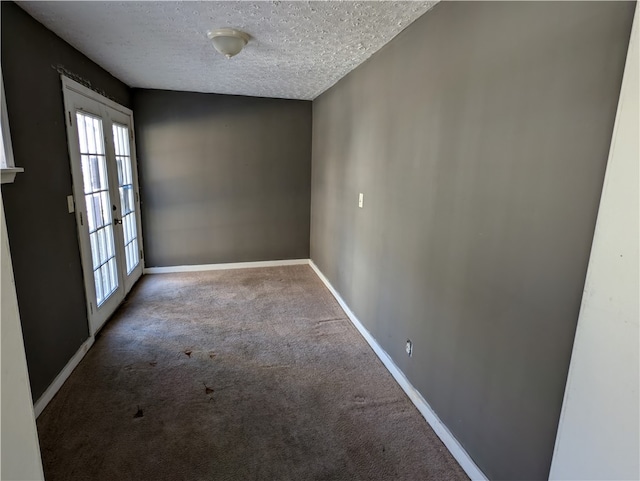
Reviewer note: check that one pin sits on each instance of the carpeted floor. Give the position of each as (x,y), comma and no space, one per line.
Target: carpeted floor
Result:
(250,374)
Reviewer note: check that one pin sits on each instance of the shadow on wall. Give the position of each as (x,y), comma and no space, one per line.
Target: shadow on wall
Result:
(479,137)
(42,233)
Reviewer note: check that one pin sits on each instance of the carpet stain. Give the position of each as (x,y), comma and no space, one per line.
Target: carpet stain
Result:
(299,394)
(331,320)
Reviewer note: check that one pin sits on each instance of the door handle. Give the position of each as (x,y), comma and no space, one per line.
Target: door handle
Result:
(117,221)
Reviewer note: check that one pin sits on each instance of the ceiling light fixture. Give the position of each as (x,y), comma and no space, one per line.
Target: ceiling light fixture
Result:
(228,41)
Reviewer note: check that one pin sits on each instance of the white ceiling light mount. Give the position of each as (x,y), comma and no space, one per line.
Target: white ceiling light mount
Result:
(228,41)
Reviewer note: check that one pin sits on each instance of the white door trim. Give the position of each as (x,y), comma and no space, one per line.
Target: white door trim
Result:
(74,86)
(79,98)
(598,431)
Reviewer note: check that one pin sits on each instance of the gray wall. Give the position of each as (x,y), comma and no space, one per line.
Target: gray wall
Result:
(222,178)
(479,137)
(42,234)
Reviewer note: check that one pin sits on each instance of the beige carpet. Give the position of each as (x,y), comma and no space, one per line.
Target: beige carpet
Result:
(251,374)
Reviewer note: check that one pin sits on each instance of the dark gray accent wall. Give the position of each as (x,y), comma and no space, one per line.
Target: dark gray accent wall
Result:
(42,234)
(222,178)
(479,137)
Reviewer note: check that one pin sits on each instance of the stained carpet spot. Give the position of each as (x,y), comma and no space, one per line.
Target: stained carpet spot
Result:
(330,320)
(283,406)
(153,363)
(212,355)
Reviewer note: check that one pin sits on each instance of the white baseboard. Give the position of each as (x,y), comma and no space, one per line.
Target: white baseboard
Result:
(427,412)
(230,265)
(452,444)
(57,383)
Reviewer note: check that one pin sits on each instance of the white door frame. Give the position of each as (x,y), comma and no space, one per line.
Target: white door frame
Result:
(110,112)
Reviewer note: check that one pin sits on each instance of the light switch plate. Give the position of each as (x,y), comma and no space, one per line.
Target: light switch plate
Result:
(360,200)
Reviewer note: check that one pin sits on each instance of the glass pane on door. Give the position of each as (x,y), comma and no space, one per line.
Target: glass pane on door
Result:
(96,196)
(125,182)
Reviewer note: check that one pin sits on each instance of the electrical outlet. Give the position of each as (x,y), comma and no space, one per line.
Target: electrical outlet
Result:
(360,200)
(409,347)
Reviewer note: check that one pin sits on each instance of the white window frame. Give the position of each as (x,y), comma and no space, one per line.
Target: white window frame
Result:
(9,170)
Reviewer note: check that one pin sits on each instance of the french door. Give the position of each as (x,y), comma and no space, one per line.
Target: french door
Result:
(107,206)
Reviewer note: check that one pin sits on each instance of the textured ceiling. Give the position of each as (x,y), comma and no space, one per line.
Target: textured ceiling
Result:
(297,50)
